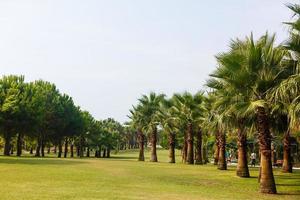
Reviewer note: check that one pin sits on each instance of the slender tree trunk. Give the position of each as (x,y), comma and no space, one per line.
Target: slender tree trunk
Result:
(38,148)
(72,149)
(7,138)
(108,153)
(171,147)
(222,164)
(104,153)
(184,148)
(49,149)
(217,150)
(66,147)
(99,152)
(31,150)
(267,181)
(77,151)
(199,160)
(242,166)
(287,165)
(190,144)
(81,147)
(141,138)
(19,144)
(59,149)
(43,147)
(88,152)
(11,150)
(153,145)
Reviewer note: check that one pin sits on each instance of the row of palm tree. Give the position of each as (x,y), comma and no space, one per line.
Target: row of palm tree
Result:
(255,90)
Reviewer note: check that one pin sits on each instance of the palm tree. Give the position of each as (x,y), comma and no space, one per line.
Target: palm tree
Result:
(287,93)
(250,69)
(168,123)
(149,110)
(189,110)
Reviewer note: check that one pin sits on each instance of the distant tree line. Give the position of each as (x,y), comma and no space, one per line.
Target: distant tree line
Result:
(36,117)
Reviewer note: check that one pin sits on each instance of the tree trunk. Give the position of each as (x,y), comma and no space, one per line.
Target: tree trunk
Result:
(205,159)
(77,151)
(88,152)
(59,149)
(287,165)
(222,164)
(153,145)
(55,149)
(31,150)
(184,148)
(242,166)
(171,147)
(66,147)
(199,160)
(72,150)
(81,147)
(49,149)
(7,138)
(19,144)
(141,138)
(267,181)
(43,147)
(217,150)
(99,151)
(38,148)
(190,144)
(104,153)
(108,153)
(11,150)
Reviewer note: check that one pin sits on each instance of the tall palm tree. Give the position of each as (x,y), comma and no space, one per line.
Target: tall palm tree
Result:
(250,69)
(149,110)
(287,93)
(189,110)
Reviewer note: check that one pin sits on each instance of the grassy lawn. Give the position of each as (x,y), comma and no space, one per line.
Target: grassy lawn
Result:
(122,177)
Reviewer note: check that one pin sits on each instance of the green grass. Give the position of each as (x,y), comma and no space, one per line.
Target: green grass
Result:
(122,177)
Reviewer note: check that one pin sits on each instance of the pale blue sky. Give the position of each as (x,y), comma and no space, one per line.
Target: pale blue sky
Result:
(106,53)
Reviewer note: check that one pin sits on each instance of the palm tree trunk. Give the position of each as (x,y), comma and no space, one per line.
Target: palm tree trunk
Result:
(19,144)
(88,152)
(199,160)
(217,150)
(242,169)
(81,147)
(171,147)
(153,145)
(190,144)
(287,166)
(141,138)
(222,164)
(31,150)
(267,181)
(184,148)
(66,148)
(7,138)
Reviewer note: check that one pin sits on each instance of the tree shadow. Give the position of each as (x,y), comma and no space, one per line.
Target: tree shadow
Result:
(39,161)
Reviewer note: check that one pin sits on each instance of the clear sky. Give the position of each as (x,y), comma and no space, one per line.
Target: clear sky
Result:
(106,53)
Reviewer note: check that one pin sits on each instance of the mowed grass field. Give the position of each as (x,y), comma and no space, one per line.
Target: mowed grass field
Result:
(122,177)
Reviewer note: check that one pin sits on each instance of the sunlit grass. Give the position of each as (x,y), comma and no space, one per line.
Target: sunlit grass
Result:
(122,177)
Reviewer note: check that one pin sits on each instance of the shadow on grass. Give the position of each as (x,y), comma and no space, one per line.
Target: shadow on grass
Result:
(39,161)
(124,157)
